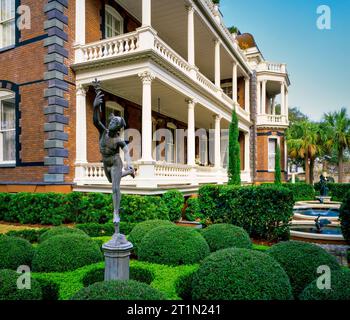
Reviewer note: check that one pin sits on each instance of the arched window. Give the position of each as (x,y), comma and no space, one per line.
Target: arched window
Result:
(7,23)
(114,23)
(7,127)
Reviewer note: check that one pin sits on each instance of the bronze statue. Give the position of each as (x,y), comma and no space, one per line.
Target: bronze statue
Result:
(110,144)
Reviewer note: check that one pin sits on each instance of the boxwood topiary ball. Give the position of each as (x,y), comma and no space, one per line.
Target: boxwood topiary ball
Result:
(10,291)
(222,236)
(65,252)
(141,229)
(172,245)
(301,260)
(345,217)
(119,290)
(339,290)
(240,274)
(60,230)
(15,252)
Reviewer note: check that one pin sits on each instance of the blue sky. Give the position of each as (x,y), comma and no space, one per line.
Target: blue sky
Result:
(318,60)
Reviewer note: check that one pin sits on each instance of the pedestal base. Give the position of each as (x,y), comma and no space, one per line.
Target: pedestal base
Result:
(117,258)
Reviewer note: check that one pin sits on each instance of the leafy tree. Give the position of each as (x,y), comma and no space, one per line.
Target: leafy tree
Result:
(234,166)
(295,115)
(337,128)
(278,176)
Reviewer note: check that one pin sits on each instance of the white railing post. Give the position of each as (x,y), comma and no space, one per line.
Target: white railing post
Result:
(146,13)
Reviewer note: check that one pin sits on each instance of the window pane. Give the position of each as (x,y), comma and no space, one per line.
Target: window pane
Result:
(8,34)
(9,145)
(272,146)
(7,9)
(8,115)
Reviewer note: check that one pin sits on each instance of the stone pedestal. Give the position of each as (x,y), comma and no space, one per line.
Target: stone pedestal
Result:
(117,257)
(324,199)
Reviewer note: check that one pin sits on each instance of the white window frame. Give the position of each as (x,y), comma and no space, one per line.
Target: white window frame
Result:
(269,153)
(7,21)
(115,14)
(5,95)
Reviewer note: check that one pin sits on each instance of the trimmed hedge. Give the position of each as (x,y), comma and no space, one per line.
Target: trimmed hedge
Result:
(337,191)
(345,217)
(136,273)
(340,288)
(174,200)
(9,290)
(301,260)
(193,210)
(301,191)
(56,209)
(50,289)
(138,233)
(103,230)
(264,212)
(184,286)
(240,274)
(222,236)
(65,252)
(119,290)
(172,245)
(53,232)
(32,235)
(15,252)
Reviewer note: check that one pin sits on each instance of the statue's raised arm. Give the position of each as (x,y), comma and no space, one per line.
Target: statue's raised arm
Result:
(98,108)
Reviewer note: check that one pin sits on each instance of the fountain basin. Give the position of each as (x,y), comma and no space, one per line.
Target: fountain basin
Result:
(310,210)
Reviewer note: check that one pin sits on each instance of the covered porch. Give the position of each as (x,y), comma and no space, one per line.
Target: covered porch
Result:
(178,138)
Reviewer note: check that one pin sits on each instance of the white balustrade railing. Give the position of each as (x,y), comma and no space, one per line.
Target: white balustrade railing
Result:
(112,47)
(170,55)
(205,82)
(272,119)
(172,170)
(272,67)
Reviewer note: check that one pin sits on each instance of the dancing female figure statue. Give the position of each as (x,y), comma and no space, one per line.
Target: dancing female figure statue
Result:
(110,144)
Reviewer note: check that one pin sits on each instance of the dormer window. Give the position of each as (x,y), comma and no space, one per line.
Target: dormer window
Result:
(114,23)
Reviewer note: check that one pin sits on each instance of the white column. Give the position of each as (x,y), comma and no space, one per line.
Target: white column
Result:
(247,152)
(81,141)
(258,94)
(247,94)
(146,13)
(287,105)
(80,18)
(217,64)
(263,97)
(234,82)
(283,99)
(190,36)
(147,138)
(217,141)
(191,134)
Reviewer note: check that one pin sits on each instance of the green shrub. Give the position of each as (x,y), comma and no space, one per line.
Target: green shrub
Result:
(5,199)
(15,252)
(136,209)
(174,200)
(222,236)
(193,210)
(301,191)
(10,291)
(140,230)
(32,235)
(264,212)
(345,217)
(337,191)
(240,274)
(136,273)
(340,288)
(49,288)
(184,286)
(96,229)
(65,252)
(119,290)
(171,245)
(59,231)
(301,260)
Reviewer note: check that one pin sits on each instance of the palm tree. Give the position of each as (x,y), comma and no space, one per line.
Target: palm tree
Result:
(302,140)
(338,128)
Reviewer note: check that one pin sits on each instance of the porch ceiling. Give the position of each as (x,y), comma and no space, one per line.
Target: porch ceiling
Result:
(169,19)
(172,103)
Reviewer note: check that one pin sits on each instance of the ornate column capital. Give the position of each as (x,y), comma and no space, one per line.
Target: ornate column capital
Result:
(146,77)
(217,117)
(189,7)
(191,102)
(80,90)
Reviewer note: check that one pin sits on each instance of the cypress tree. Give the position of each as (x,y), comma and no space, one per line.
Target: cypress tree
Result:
(234,166)
(278,177)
